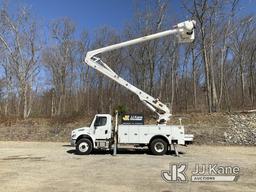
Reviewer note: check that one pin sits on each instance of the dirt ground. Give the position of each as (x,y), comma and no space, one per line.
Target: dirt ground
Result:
(46,166)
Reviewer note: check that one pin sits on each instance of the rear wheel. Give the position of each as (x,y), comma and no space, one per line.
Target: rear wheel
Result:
(84,147)
(158,147)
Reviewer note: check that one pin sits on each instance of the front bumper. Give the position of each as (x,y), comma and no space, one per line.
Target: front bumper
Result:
(72,142)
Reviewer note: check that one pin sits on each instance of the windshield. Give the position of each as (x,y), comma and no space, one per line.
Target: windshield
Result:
(91,122)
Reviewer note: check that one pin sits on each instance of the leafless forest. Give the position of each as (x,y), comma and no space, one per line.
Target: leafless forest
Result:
(45,76)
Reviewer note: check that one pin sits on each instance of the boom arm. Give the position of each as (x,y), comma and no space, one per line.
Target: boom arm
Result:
(185,33)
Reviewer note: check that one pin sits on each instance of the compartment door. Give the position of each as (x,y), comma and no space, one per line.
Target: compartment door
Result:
(134,135)
(123,134)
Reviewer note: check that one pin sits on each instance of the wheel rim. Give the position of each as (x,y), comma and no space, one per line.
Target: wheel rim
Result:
(83,147)
(159,147)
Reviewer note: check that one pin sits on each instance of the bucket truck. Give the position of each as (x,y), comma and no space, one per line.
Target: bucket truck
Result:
(101,134)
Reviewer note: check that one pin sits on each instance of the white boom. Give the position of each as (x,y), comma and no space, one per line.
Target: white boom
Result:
(185,34)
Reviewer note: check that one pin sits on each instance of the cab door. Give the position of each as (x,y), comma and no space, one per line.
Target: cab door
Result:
(101,128)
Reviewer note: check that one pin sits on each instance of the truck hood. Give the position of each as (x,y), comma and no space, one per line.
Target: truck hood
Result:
(81,130)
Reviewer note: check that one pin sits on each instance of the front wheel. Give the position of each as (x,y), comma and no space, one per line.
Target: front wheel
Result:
(158,147)
(84,147)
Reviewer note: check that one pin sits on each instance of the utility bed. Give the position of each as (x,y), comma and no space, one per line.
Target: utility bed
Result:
(142,134)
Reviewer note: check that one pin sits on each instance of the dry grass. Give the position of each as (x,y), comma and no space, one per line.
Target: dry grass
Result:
(207,128)
(39,129)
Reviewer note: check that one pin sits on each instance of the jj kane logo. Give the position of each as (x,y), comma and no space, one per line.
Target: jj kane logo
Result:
(201,173)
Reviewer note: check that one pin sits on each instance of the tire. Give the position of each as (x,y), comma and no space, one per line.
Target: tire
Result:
(158,147)
(84,147)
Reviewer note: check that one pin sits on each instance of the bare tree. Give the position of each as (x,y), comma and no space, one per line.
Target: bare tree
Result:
(60,60)
(240,46)
(20,42)
(107,89)
(216,72)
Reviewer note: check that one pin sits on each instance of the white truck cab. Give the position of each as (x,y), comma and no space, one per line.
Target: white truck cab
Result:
(100,135)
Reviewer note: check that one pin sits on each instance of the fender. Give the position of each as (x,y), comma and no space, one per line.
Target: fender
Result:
(88,137)
(160,137)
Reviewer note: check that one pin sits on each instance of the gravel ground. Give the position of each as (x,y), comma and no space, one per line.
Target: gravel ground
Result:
(46,166)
